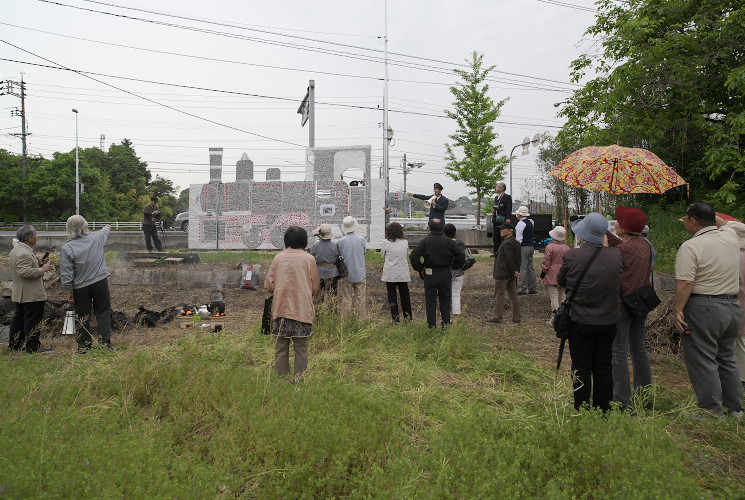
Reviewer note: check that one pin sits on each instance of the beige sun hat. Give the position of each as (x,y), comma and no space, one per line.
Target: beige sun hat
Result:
(349,224)
(323,232)
(558,233)
(522,211)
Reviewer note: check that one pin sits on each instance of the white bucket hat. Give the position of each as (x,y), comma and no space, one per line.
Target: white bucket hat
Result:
(349,224)
(558,233)
(522,211)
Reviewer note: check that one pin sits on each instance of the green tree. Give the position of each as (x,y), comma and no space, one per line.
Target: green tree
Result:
(479,165)
(671,78)
(183,201)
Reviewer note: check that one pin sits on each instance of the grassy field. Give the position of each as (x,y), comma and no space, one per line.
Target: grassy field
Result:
(384,411)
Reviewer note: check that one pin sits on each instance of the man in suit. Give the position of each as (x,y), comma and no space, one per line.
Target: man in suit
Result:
(502,213)
(437,202)
(28,292)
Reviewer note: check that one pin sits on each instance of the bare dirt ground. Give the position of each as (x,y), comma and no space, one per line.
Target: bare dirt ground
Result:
(533,336)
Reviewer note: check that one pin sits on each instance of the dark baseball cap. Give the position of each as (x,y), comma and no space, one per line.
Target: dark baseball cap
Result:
(438,185)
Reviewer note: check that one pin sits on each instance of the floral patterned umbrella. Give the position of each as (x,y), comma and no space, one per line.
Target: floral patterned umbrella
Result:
(617,170)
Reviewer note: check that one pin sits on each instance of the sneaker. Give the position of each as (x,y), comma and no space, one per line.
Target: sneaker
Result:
(82,350)
(107,345)
(736,414)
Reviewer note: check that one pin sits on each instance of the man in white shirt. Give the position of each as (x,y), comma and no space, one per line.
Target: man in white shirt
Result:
(524,233)
(707,311)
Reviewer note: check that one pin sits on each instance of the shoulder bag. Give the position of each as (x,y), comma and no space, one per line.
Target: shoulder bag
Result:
(341,267)
(643,300)
(561,321)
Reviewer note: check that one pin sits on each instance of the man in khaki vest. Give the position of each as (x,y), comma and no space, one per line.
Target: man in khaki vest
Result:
(28,292)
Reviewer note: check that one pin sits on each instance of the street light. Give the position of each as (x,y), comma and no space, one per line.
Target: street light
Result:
(525,144)
(77,167)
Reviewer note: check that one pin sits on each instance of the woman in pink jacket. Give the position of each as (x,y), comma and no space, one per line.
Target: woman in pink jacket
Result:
(293,277)
(552,262)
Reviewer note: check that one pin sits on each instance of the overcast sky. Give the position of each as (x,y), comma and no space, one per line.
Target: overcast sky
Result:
(272,49)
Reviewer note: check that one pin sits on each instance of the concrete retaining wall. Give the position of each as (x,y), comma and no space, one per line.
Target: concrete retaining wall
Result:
(119,241)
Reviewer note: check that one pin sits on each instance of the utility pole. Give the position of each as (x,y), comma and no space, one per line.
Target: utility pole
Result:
(21,93)
(102,139)
(407,168)
(387,133)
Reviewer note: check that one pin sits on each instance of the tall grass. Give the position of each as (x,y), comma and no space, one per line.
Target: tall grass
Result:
(383,411)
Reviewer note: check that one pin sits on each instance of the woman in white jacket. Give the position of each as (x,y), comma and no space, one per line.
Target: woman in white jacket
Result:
(396,274)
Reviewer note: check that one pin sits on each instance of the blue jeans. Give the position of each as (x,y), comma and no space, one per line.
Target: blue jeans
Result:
(630,332)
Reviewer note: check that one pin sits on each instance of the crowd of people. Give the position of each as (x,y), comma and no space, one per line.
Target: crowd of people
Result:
(603,278)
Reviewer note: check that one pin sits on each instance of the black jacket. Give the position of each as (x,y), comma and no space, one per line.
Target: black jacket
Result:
(502,207)
(437,250)
(508,259)
(438,211)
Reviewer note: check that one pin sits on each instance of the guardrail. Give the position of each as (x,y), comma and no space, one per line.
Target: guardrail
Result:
(60,226)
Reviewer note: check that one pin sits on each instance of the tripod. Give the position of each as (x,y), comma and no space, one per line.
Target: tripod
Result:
(164,239)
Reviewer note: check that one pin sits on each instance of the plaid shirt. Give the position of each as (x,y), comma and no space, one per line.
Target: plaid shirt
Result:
(637,262)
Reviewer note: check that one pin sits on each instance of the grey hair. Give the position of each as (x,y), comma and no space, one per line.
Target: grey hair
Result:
(504,186)
(77,227)
(25,233)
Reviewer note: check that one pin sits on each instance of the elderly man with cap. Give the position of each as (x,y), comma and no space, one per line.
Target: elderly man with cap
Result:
(707,311)
(326,253)
(28,292)
(353,288)
(595,310)
(631,329)
(434,258)
(525,235)
(505,273)
(437,202)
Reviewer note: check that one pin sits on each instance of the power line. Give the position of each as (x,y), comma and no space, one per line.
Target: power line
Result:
(568,5)
(85,73)
(207,21)
(151,100)
(376,59)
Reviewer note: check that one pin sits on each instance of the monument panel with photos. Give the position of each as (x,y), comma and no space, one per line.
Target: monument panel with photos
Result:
(251,214)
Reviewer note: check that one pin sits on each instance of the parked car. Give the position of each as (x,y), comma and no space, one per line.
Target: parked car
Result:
(181,221)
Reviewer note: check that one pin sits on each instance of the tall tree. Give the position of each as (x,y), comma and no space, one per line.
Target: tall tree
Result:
(671,78)
(474,111)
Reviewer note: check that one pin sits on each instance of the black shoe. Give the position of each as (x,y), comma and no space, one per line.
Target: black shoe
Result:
(522,293)
(492,320)
(107,345)
(534,292)
(82,349)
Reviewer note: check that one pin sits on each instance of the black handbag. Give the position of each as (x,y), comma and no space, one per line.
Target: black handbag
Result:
(341,267)
(641,301)
(561,322)
(266,316)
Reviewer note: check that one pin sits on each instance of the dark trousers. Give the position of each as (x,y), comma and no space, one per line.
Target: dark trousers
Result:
(497,239)
(96,295)
(437,286)
(24,327)
(403,292)
(151,233)
(591,348)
